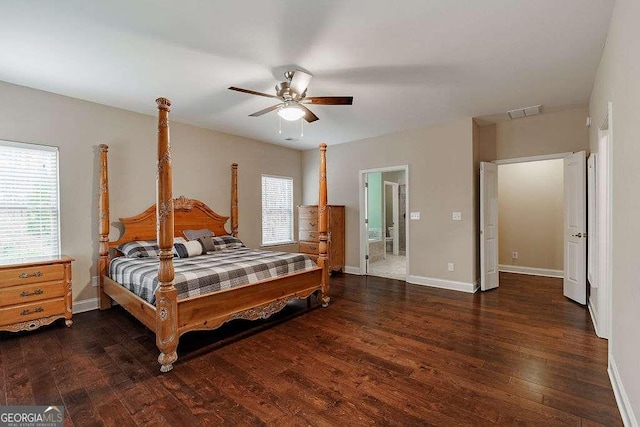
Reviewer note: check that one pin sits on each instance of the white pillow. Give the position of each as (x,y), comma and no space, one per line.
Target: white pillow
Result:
(188,249)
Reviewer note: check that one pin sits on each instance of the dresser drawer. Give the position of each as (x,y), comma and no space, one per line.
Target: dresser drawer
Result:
(308,212)
(309,248)
(310,224)
(35,310)
(311,236)
(24,294)
(35,274)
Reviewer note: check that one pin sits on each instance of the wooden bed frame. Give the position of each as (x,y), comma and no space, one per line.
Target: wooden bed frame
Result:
(169,317)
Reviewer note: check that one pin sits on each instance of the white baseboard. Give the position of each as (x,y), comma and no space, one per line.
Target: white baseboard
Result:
(594,318)
(476,286)
(352,270)
(532,271)
(626,411)
(444,284)
(85,305)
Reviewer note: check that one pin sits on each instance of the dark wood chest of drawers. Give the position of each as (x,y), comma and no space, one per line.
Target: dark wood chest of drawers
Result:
(308,233)
(35,293)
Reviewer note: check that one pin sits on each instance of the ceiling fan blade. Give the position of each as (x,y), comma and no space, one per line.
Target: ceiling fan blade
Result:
(329,100)
(300,82)
(308,114)
(265,111)
(252,92)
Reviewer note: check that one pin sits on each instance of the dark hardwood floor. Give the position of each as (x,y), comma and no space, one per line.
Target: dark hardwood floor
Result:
(384,352)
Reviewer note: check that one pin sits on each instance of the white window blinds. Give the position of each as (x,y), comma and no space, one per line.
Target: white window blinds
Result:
(277,210)
(29,207)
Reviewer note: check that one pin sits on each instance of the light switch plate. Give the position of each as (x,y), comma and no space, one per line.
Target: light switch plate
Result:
(415,215)
(457,216)
(450,266)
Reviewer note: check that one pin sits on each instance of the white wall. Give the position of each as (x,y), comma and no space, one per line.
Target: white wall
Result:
(201,164)
(618,80)
(440,182)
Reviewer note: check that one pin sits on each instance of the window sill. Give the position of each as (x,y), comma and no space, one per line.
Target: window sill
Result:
(269,245)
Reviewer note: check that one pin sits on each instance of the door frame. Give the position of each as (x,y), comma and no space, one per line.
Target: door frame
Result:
(531,158)
(364,209)
(527,159)
(364,238)
(604,189)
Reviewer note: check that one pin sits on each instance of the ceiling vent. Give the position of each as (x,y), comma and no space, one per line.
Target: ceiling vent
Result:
(525,112)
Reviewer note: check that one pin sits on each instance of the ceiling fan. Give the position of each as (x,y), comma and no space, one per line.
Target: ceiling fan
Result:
(293,94)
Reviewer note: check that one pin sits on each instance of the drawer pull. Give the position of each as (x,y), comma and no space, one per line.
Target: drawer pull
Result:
(35,310)
(313,248)
(312,224)
(28,294)
(27,275)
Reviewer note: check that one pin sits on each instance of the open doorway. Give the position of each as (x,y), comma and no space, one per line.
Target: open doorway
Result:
(543,211)
(531,212)
(383,208)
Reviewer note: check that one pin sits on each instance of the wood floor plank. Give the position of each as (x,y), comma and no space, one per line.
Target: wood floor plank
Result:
(114,414)
(237,385)
(383,353)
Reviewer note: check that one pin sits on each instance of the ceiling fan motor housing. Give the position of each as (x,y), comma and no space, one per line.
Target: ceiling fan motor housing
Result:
(284,91)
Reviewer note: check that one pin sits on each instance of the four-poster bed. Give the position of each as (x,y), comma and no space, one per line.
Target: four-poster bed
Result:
(170,314)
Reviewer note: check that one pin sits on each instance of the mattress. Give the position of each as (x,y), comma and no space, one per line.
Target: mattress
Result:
(208,273)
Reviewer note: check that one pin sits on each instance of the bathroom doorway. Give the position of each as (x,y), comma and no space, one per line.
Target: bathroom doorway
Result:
(384,222)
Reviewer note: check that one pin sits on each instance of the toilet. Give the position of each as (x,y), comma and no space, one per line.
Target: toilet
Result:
(389,240)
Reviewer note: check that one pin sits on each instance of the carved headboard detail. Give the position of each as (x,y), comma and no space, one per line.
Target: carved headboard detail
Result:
(189,214)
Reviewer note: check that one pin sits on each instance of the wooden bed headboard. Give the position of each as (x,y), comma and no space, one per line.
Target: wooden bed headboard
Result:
(186,214)
(189,214)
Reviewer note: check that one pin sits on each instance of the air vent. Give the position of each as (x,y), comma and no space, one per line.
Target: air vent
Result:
(525,112)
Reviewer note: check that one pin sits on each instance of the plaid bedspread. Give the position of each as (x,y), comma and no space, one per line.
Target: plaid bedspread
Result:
(208,273)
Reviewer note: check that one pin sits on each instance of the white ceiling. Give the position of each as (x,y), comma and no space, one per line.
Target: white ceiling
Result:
(407,63)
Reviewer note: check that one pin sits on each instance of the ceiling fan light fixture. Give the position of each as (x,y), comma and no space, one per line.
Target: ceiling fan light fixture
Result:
(291,112)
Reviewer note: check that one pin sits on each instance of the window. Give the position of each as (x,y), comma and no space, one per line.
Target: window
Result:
(277,210)
(29,208)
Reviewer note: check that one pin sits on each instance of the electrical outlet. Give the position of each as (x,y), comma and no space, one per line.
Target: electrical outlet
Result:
(456,216)
(514,255)
(94,281)
(450,266)
(415,215)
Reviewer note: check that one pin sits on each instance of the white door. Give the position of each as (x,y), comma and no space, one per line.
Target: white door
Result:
(366,222)
(489,277)
(396,222)
(592,215)
(575,236)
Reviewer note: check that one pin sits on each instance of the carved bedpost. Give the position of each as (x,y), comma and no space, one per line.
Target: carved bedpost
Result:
(234,200)
(166,295)
(103,227)
(323,259)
